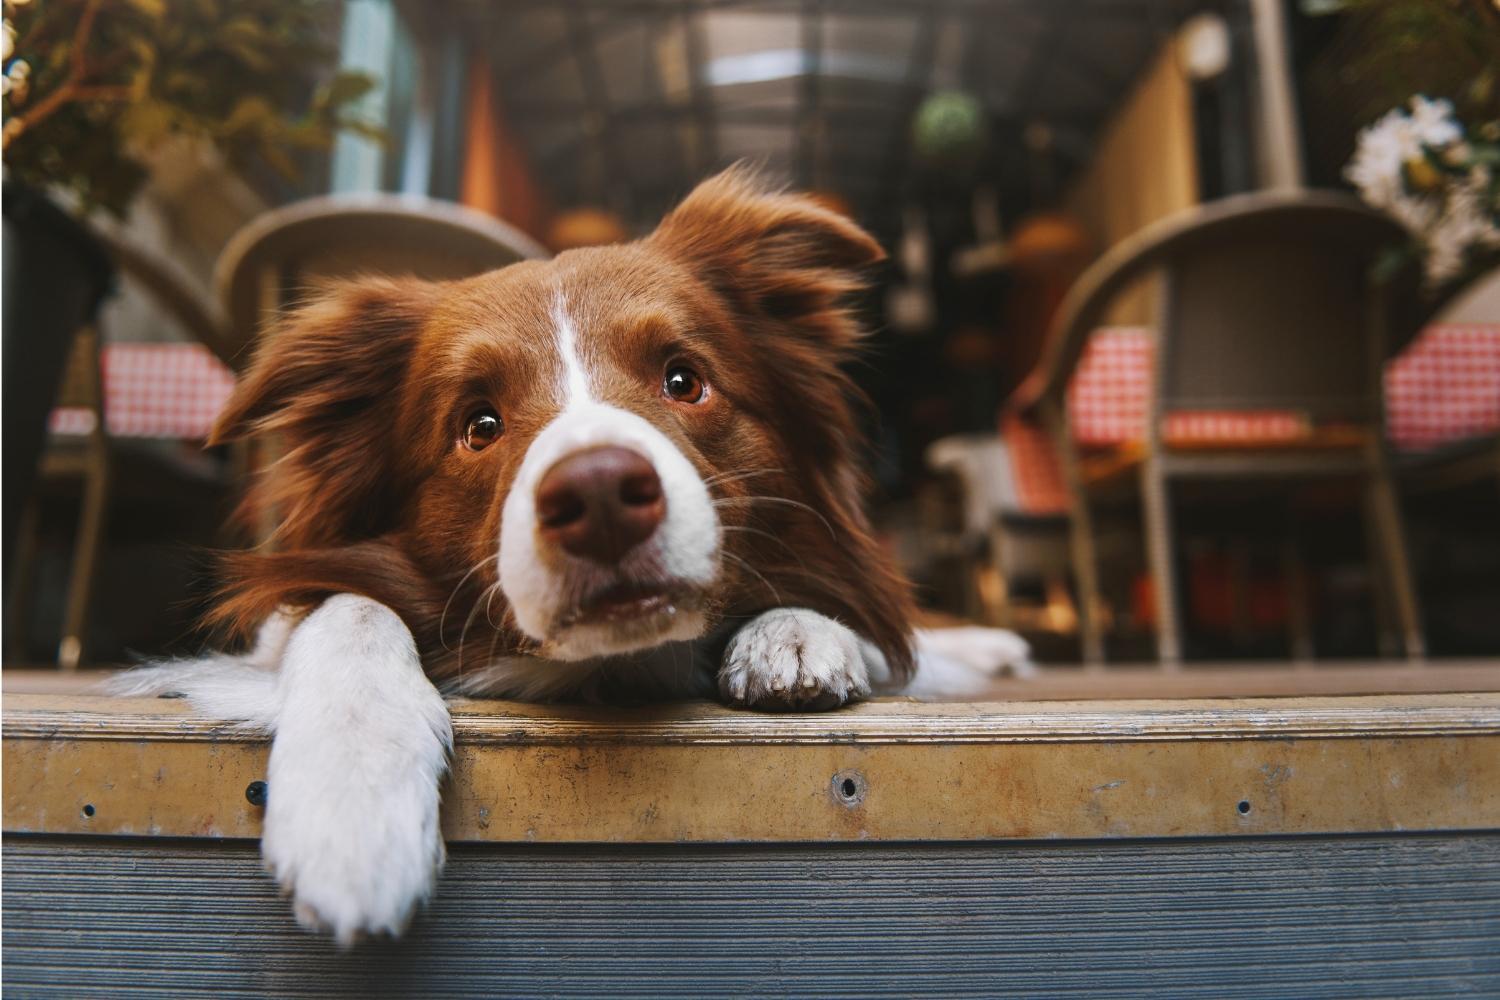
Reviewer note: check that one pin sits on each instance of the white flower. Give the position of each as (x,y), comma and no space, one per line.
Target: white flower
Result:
(1464,224)
(1433,123)
(13,81)
(1380,155)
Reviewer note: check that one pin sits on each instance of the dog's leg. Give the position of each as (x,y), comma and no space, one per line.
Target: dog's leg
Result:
(796,659)
(362,740)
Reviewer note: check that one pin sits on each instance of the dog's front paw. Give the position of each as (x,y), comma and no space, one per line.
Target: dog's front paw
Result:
(357,857)
(793,659)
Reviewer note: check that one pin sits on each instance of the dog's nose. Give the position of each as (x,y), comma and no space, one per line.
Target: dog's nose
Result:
(601,503)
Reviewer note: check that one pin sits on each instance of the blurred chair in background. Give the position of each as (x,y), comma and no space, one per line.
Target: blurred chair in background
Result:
(111,393)
(125,404)
(1270,343)
(1011,533)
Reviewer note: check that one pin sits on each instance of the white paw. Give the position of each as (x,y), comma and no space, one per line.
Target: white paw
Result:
(357,858)
(351,829)
(792,658)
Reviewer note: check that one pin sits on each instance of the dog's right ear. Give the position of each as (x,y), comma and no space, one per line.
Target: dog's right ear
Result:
(324,386)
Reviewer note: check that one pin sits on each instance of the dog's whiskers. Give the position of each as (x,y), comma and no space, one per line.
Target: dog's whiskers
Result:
(721,478)
(798,504)
(742,529)
(775,594)
(443,618)
(464,635)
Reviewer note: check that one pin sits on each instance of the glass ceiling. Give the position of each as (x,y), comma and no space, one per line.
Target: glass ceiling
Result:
(625,103)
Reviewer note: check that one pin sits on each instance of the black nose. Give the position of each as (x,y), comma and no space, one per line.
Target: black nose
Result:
(599,504)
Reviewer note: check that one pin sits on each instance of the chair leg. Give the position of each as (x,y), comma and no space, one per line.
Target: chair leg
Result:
(1395,561)
(1298,621)
(1157,506)
(1086,578)
(73,646)
(991,583)
(1081,546)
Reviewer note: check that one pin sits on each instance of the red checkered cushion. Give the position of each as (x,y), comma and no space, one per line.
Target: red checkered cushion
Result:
(1035,472)
(155,391)
(1109,392)
(1444,387)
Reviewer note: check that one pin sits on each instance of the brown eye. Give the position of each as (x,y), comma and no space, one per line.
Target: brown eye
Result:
(684,385)
(482,429)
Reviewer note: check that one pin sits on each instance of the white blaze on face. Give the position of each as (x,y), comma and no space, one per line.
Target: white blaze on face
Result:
(541,583)
(575,386)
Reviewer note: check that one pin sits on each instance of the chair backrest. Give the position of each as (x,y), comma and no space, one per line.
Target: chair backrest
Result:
(1267,302)
(268,265)
(1272,307)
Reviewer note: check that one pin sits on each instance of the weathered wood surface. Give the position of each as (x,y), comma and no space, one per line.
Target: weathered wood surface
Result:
(890,770)
(1061,682)
(1386,916)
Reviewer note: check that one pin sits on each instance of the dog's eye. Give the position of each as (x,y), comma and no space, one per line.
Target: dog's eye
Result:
(684,385)
(482,429)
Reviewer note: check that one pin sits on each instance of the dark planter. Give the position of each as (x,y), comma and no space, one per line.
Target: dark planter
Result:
(56,275)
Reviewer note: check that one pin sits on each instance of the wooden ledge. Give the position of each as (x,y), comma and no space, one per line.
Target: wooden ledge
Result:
(883,721)
(888,770)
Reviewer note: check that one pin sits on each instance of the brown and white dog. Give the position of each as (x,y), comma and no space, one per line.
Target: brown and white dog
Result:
(624,474)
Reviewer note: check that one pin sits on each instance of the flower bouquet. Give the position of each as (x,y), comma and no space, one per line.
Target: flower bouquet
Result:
(1440,181)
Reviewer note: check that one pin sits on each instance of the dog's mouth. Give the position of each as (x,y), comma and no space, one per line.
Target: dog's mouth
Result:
(628,602)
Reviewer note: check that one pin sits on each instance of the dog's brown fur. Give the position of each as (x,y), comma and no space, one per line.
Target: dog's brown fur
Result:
(364,392)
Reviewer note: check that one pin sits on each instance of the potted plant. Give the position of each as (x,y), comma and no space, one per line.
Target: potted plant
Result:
(90,91)
(1430,72)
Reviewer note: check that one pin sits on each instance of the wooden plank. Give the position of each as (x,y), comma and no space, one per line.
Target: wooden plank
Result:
(888,770)
(1065,682)
(1253,680)
(1409,916)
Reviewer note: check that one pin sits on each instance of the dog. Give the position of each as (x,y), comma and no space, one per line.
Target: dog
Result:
(625,474)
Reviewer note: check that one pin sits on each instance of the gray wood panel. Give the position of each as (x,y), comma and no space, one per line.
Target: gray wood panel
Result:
(1403,916)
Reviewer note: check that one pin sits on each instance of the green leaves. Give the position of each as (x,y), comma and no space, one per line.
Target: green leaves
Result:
(346,87)
(1443,48)
(252,76)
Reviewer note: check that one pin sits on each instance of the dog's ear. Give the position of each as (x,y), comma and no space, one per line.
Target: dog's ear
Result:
(779,255)
(323,389)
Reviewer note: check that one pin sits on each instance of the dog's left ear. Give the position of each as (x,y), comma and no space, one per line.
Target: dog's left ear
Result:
(779,255)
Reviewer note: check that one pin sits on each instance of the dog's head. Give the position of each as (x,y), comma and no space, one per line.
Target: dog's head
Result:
(606,451)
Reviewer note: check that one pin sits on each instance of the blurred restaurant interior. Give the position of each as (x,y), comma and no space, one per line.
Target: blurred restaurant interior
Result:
(1162,368)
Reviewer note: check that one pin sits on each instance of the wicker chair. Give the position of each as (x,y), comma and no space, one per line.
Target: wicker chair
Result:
(1265,303)
(93,457)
